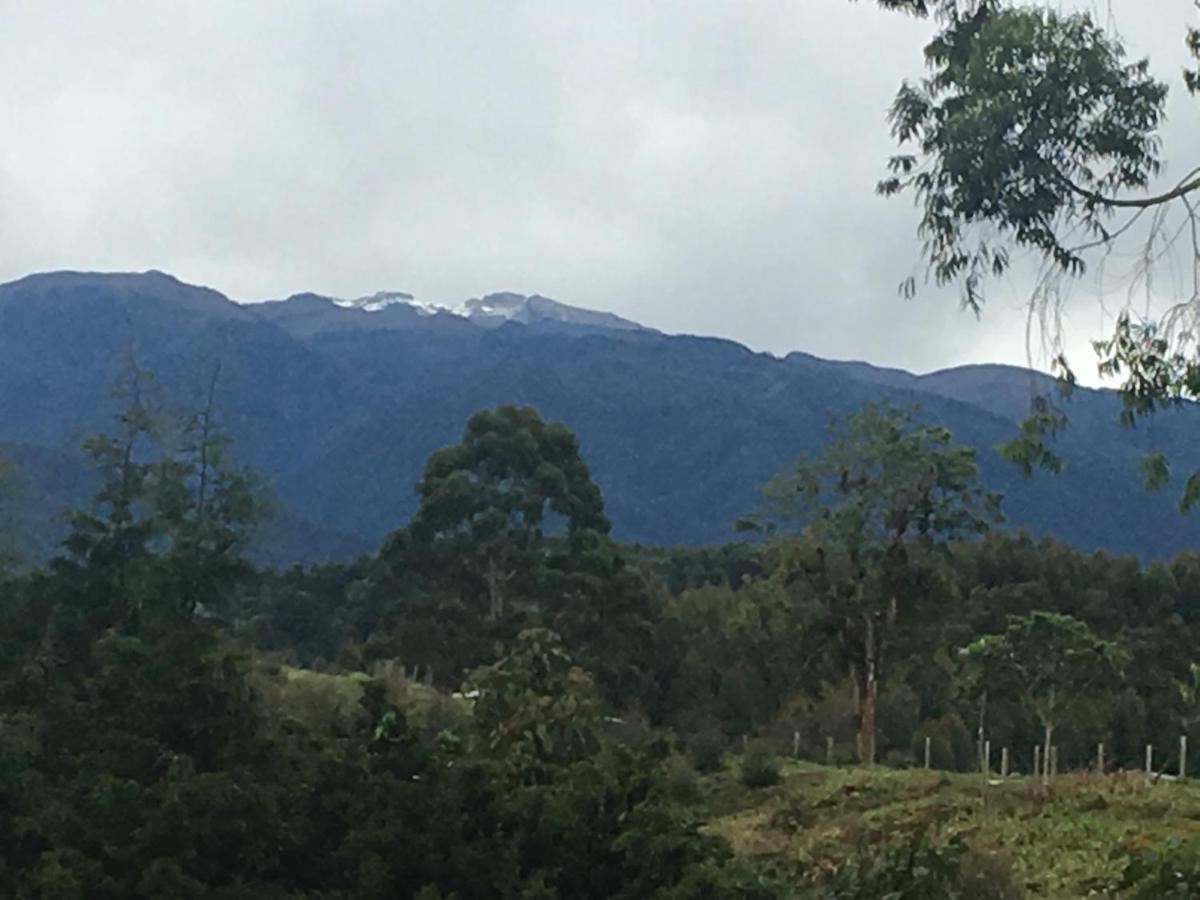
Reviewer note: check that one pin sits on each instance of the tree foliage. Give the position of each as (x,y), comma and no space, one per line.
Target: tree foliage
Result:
(1052,661)
(1033,131)
(884,489)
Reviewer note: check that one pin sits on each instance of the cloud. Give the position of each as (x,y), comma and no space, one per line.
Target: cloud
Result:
(699,166)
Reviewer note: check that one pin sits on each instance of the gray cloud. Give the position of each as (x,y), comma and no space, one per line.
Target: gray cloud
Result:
(698,166)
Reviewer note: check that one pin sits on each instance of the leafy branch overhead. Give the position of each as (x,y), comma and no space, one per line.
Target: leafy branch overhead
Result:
(1031,129)
(1034,133)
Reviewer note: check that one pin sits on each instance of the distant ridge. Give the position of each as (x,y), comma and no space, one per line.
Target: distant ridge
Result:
(338,404)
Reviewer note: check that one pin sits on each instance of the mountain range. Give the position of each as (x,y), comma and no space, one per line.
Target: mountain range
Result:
(337,403)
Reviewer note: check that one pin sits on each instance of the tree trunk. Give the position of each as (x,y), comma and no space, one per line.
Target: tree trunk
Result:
(1049,737)
(870,695)
(495,597)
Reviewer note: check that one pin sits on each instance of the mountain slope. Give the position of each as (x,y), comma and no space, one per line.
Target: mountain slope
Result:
(338,404)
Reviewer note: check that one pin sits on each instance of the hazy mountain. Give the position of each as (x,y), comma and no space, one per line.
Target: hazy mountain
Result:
(339,402)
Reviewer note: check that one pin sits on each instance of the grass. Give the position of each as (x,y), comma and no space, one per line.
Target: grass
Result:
(1059,841)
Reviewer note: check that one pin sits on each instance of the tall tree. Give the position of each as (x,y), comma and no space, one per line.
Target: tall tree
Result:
(490,503)
(171,519)
(884,486)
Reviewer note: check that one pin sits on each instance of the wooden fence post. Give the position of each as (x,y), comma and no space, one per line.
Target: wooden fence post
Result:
(1182,757)
(1003,762)
(1149,759)
(1054,759)
(1037,760)
(795,743)
(928,752)
(987,758)
(1100,758)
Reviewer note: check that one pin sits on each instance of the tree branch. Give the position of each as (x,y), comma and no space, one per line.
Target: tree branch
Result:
(1190,183)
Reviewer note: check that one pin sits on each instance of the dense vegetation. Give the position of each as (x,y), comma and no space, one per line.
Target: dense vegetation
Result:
(504,701)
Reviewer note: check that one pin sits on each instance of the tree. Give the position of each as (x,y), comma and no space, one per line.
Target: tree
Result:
(1034,132)
(1053,662)
(884,488)
(10,547)
(172,516)
(488,502)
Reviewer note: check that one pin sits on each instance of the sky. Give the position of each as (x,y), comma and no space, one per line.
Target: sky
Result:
(700,167)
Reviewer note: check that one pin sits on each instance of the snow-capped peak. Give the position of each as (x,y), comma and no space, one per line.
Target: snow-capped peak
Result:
(383,299)
(490,311)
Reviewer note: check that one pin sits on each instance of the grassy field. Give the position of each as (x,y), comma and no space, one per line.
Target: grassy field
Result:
(1057,841)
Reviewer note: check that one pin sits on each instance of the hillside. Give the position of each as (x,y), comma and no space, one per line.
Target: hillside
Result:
(1067,840)
(338,403)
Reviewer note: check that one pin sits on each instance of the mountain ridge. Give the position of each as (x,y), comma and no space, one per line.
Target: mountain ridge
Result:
(338,407)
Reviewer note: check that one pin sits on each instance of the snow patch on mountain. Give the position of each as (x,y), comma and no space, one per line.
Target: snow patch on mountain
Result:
(381,300)
(493,310)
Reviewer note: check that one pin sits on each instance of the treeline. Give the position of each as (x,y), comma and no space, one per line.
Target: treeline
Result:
(764,639)
(506,702)
(145,753)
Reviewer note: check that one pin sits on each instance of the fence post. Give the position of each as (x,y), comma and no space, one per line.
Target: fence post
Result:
(1003,762)
(1054,759)
(987,758)
(928,753)
(1182,757)
(1037,760)
(1100,757)
(1149,759)
(829,751)
(795,743)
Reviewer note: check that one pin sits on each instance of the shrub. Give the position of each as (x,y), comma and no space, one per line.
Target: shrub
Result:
(920,869)
(759,768)
(705,748)
(679,780)
(1171,869)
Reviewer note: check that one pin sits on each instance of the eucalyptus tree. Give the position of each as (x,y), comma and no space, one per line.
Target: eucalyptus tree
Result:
(885,491)
(490,503)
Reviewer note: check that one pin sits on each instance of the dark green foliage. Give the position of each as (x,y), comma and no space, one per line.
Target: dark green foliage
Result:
(759,766)
(145,754)
(874,512)
(922,870)
(706,748)
(489,503)
(1055,664)
(1171,869)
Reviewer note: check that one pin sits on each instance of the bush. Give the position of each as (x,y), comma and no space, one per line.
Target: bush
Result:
(705,749)
(1169,870)
(759,768)
(679,780)
(922,870)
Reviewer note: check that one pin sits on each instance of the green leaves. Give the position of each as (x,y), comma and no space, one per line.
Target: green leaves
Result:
(1029,450)
(510,506)
(883,479)
(1051,660)
(1027,127)
(1155,471)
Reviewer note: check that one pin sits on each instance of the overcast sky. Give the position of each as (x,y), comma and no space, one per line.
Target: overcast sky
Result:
(698,166)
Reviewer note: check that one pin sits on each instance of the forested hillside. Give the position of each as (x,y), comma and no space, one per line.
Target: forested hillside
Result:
(337,408)
(504,701)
